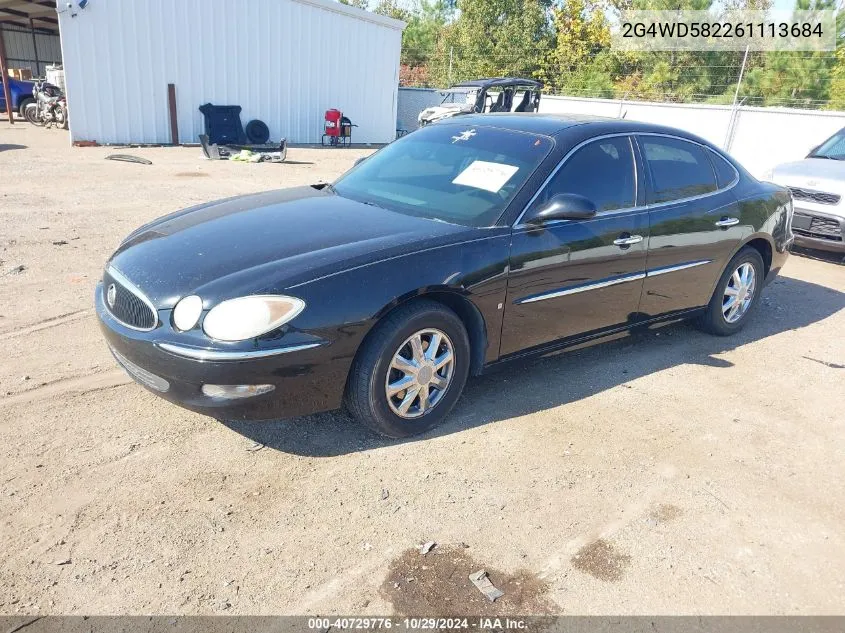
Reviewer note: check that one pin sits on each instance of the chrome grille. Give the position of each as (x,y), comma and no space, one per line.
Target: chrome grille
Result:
(811,195)
(129,307)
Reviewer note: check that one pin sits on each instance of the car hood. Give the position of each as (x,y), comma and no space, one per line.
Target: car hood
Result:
(813,173)
(265,242)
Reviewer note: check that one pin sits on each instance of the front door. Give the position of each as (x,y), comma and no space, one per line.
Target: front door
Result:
(572,277)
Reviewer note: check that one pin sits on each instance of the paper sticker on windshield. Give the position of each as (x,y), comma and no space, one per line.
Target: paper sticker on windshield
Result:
(488,176)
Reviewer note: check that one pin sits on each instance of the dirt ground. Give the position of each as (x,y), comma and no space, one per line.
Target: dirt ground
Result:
(671,472)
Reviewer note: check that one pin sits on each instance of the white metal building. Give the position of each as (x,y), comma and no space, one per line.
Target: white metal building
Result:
(283,61)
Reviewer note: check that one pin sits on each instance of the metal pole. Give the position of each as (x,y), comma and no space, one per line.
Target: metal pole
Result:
(741,73)
(171,108)
(450,65)
(732,122)
(5,74)
(35,48)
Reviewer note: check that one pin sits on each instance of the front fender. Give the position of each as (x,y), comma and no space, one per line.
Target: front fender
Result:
(344,307)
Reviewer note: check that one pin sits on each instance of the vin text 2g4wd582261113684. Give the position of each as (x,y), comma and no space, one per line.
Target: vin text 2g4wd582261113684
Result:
(469,242)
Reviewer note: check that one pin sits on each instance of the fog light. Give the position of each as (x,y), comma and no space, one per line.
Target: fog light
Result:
(230,392)
(187,312)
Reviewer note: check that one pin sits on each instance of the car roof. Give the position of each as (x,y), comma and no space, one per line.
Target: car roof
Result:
(554,124)
(498,81)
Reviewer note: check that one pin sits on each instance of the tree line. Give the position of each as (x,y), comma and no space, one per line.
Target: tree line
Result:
(566,45)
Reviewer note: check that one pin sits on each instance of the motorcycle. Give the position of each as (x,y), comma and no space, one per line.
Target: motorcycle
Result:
(49,108)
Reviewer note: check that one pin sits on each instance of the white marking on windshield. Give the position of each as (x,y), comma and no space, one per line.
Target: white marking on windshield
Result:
(463,136)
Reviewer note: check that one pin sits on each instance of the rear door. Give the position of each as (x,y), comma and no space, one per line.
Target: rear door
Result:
(695,222)
(572,277)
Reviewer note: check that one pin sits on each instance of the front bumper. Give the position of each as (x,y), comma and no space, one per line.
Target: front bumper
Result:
(305,377)
(815,229)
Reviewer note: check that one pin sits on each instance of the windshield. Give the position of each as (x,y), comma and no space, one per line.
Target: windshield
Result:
(463,96)
(834,147)
(463,175)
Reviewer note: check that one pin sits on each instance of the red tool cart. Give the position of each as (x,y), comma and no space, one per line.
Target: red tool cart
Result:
(337,129)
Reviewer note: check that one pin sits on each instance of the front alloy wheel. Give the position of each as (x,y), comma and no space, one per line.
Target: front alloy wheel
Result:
(420,373)
(410,370)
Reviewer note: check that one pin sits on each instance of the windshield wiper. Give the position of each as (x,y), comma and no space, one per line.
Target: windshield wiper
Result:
(824,156)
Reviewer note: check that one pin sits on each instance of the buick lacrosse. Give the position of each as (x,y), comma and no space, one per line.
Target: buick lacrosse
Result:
(468,243)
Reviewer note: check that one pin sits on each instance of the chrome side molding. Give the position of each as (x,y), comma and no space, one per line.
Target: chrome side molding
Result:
(612,281)
(671,269)
(583,288)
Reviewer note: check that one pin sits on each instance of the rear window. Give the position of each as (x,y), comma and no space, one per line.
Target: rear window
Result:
(459,174)
(725,172)
(678,169)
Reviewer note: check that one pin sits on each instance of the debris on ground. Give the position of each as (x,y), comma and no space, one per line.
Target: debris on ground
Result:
(16,270)
(427,547)
(63,561)
(60,243)
(441,586)
(257,446)
(129,158)
(385,493)
(482,582)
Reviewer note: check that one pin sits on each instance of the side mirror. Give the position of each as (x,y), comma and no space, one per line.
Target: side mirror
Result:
(565,206)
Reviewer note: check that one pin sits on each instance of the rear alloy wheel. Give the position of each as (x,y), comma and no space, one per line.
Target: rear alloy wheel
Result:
(739,293)
(410,371)
(736,294)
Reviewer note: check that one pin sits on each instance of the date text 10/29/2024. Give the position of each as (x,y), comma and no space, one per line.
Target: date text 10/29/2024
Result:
(419,624)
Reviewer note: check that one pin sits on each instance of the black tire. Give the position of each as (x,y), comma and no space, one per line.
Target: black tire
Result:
(366,397)
(257,132)
(22,107)
(713,320)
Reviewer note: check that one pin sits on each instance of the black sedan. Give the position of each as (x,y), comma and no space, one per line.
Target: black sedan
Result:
(465,244)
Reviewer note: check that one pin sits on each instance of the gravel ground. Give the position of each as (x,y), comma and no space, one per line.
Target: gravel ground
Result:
(670,472)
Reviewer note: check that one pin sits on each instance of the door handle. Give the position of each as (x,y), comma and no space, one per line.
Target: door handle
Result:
(627,241)
(724,222)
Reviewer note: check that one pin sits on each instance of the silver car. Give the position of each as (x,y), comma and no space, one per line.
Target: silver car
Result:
(817,184)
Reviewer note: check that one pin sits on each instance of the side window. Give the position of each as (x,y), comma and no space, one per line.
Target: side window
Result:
(602,171)
(678,169)
(725,172)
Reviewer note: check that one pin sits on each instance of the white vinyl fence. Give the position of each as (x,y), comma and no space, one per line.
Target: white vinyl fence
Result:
(759,138)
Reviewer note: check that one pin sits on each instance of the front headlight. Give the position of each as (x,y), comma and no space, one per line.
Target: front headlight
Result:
(248,317)
(187,312)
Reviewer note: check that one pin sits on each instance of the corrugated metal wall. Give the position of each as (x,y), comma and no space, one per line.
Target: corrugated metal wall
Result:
(283,61)
(20,52)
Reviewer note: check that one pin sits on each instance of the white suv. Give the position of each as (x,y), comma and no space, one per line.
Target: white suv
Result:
(817,184)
